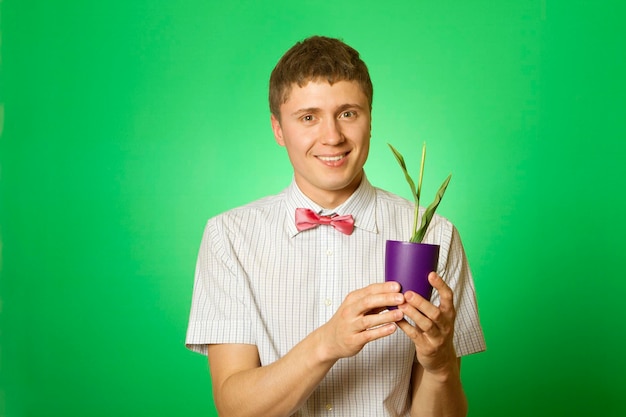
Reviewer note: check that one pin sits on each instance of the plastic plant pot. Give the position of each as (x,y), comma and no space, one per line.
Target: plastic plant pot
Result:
(409,264)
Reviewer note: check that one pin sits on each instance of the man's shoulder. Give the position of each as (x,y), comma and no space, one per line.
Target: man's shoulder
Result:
(392,200)
(265,206)
(263,209)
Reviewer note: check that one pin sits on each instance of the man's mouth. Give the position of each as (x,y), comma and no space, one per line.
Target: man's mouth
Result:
(334,158)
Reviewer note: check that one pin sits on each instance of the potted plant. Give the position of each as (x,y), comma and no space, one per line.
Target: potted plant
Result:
(409,263)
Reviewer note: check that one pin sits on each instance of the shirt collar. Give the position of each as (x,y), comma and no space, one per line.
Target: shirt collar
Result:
(361,205)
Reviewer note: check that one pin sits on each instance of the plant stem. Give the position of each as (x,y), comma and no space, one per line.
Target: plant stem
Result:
(419,193)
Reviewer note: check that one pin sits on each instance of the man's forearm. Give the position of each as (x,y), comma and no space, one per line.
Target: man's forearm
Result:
(278,389)
(438,395)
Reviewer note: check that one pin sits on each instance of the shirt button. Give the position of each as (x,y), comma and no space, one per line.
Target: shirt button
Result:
(329,407)
(329,252)
(328,301)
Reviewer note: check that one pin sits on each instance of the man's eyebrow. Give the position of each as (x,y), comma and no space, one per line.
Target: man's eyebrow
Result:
(306,110)
(349,106)
(317,109)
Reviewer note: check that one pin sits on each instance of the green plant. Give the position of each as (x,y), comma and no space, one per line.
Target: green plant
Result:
(418,234)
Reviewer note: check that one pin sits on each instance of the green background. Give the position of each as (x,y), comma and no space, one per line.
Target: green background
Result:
(126,124)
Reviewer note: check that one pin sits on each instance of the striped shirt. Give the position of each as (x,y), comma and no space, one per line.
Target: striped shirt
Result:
(259,281)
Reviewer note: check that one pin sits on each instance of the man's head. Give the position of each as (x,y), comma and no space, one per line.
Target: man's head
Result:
(317,58)
(321,99)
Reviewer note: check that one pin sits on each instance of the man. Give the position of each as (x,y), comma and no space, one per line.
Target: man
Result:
(294,320)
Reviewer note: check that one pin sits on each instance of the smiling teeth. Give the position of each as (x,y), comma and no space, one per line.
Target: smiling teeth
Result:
(331,158)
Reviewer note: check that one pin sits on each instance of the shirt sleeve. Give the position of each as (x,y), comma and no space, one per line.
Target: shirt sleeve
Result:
(468,334)
(221,297)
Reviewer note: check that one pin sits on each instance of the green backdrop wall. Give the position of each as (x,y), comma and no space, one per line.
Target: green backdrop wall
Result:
(126,124)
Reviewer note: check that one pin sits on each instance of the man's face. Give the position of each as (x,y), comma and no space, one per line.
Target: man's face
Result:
(326,131)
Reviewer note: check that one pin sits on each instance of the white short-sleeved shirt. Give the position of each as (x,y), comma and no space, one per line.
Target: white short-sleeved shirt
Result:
(259,281)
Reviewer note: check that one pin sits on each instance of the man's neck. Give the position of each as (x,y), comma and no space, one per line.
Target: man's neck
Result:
(331,199)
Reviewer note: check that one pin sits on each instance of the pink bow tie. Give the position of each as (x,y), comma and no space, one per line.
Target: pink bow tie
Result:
(308,219)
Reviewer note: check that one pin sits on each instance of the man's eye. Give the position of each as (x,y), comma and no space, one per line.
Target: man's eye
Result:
(307,118)
(348,114)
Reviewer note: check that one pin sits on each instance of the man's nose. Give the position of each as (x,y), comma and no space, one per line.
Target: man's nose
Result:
(332,134)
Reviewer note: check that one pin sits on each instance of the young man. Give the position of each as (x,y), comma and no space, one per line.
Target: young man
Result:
(293,318)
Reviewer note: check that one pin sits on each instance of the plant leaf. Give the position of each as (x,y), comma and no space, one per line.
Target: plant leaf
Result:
(400,160)
(430,212)
(419,181)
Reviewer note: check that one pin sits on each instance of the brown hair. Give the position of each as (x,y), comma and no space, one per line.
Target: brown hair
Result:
(314,58)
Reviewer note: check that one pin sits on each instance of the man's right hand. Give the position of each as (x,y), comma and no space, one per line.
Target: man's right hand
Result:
(360,319)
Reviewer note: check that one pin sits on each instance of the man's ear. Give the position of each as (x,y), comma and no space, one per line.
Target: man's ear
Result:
(278,131)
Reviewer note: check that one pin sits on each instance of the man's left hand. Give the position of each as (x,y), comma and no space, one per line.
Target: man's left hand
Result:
(434,326)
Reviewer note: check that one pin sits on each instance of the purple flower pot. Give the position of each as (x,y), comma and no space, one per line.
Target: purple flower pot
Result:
(409,264)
